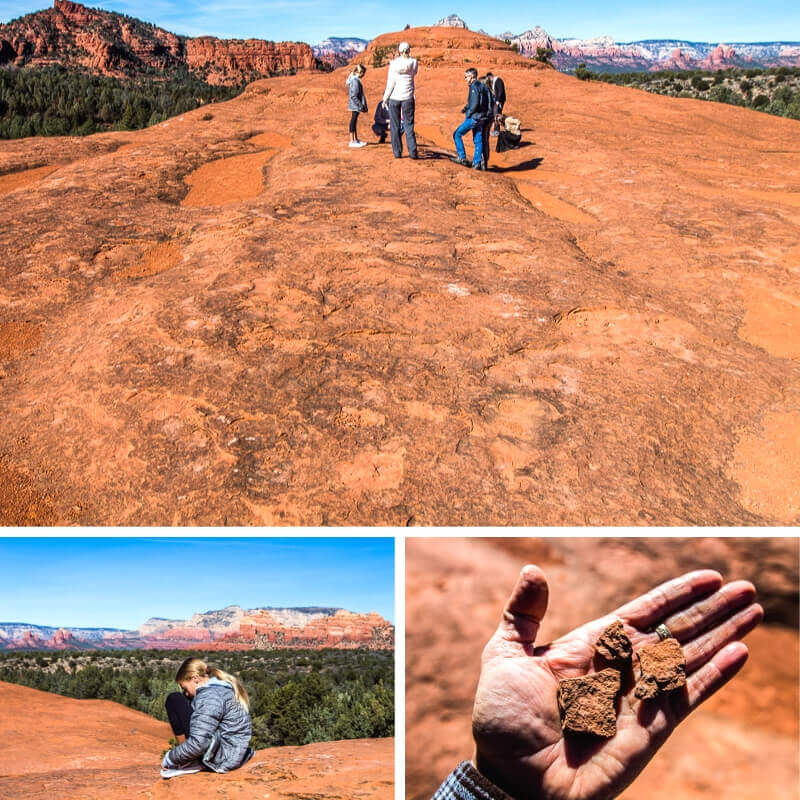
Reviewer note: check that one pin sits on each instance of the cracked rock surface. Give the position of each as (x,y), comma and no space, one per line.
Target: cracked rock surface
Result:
(614,644)
(586,704)
(663,669)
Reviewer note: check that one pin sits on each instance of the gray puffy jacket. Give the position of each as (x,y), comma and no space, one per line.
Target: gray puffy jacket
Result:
(219,731)
(356,100)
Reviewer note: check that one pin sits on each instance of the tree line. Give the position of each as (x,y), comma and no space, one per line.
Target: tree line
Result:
(55,101)
(296,696)
(774,90)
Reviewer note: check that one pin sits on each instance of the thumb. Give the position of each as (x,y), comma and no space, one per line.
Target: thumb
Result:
(522,615)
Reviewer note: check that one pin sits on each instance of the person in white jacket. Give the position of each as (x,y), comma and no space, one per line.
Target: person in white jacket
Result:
(399,97)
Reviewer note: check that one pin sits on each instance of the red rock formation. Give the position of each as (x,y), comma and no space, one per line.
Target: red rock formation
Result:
(111,44)
(259,629)
(62,639)
(223,57)
(57,747)
(719,55)
(344,629)
(30,641)
(677,60)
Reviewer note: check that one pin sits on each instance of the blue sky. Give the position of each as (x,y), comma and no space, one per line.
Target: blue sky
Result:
(313,20)
(121,582)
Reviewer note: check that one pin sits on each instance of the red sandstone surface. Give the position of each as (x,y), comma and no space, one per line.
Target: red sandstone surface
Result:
(57,747)
(741,744)
(110,44)
(663,669)
(586,704)
(600,330)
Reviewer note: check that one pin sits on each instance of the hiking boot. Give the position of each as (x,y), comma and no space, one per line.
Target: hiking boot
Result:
(461,161)
(479,165)
(414,155)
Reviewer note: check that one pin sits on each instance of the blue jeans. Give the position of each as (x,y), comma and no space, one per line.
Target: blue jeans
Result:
(407,107)
(476,126)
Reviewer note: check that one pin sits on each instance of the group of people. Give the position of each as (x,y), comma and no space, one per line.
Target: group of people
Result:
(395,113)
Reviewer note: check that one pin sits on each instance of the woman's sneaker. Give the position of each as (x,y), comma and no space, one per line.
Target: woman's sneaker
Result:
(358,144)
(175,773)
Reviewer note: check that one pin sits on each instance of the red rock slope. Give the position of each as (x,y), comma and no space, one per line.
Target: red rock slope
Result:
(741,744)
(240,320)
(56,747)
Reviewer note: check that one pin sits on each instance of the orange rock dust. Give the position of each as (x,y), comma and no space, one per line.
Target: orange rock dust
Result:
(767,467)
(159,257)
(741,743)
(580,335)
(98,750)
(26,177)
(229,180)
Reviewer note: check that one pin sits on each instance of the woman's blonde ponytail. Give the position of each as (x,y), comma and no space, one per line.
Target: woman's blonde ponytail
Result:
(197,668)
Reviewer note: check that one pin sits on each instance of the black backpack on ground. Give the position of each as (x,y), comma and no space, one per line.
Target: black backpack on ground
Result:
(507,141)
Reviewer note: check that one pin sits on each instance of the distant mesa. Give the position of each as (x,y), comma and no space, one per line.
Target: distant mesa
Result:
(337,51)
(604,54)
(72,35)
(231,628)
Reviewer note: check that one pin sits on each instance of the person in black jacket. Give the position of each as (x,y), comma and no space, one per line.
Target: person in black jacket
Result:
(477,111)
(486,80)
(499,91)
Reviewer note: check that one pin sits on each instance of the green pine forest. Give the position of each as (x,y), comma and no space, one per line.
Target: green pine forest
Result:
(55,101)
(775,90)
(296,696)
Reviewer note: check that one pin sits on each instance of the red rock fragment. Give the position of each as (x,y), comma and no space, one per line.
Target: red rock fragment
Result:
(586,704)
(663,669)
(614,644)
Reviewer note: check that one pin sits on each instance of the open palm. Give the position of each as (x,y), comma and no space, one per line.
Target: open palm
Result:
(519,742)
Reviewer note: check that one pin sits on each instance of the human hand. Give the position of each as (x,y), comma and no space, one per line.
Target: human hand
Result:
(520,746)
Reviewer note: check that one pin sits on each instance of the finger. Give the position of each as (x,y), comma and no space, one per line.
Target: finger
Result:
(658,603)
(523,612)
(690,622)
(710,678)
(701,650)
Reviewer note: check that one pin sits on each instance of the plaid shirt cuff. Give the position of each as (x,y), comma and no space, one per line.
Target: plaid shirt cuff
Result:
(466,783)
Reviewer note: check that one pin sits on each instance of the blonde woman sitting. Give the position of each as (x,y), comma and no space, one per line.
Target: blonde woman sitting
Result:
(219,727)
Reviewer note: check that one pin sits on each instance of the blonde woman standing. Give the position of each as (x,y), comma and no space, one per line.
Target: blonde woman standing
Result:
(357,103)
(399,99)
(219,726)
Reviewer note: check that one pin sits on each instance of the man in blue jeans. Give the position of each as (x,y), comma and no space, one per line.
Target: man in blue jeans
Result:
(477,112)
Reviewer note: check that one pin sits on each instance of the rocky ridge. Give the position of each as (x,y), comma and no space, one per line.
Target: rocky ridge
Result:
(232,628)
(604,54)
(254,324)
(72,35)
